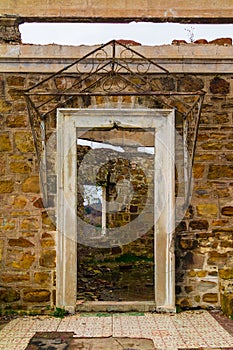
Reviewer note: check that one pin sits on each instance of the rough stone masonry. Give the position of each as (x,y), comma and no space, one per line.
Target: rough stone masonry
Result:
(204,238)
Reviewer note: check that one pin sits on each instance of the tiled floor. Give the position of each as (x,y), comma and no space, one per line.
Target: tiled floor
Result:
(186,330)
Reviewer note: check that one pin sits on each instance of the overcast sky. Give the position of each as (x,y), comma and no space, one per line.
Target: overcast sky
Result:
(97,33)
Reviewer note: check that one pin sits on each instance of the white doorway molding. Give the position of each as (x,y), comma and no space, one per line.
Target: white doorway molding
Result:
(162,122)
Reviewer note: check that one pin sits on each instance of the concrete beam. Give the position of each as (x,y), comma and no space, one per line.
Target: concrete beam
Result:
(204,11)
(186,58)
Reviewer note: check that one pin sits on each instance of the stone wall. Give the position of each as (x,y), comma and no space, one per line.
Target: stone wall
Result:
(204,238)
(27,236)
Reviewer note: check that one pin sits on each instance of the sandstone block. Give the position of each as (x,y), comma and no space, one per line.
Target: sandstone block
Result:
(187,243)
(190,83)
(30,224)
(222,192)
(201,273)
(24,142)
(5,107)
(15,95)
(38,203)
(15,277)
(228,211)
(47,221)
(199,225)
(28,234)
(188,289)
(226,273)
(42,277)
(184,302)
(219,222)
(227,303)
(181,227)
(16,121)
(31,184)
(48,258)
(218,259)
(19,202)
(46,243)
(202,192)
(228,104)
(192,273)
(226,244)
(20,242)
(219,86)
(7,224)
(20,168)
(204,157)
(218,135)
(5,143)
(168,83)
(8,295)
(25,261)
(20,213)
(221,118)
(36,295)
(207,210)
(211,145)
(15,80)
(198,170)
(193,261)
(210,298)
(229,145)
(6,186)
(204,286)
(46,235)
(220,171)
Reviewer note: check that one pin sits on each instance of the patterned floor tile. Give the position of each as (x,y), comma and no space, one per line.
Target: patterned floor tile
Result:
(87,326)
(187,330)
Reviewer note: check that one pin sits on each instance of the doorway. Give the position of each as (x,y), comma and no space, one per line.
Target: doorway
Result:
(116,204)
(115,196)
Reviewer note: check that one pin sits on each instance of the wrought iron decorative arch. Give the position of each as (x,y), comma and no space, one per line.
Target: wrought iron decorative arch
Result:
(112,69)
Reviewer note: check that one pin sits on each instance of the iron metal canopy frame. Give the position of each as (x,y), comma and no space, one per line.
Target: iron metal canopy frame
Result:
(112,69)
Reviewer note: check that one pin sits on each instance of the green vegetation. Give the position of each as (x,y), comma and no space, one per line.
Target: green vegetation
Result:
(60,313)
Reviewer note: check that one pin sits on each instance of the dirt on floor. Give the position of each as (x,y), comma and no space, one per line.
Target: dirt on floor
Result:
(4,319)
(65,340)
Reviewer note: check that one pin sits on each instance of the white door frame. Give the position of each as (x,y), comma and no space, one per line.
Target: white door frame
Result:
(68,120)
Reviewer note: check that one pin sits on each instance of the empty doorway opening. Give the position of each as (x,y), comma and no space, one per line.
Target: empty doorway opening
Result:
(116,204)
(115,169)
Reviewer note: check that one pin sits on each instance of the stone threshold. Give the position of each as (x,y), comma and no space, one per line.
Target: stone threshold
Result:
(116,306)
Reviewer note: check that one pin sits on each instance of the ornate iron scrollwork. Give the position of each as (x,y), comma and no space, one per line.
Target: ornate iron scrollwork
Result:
(112,69)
